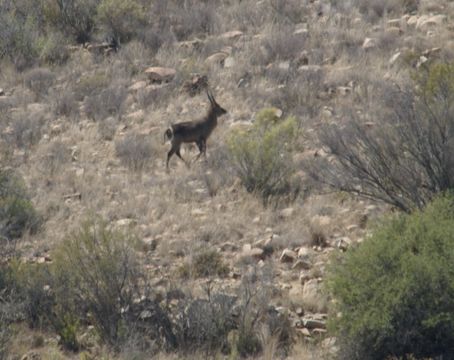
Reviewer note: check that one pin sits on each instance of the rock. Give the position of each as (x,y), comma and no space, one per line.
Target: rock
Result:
(393,31)
(313,297)
(314,322)
(136,116)
(369,43)
(216,59)
(302,265)
(394,58)
(288,256)
(343,90)
(251,253)
(304,276)
(137,86)
(343,243)
(304,332)
(160,74)
(310,69)
(198,213)
(229,62)
(191,44)
(427,21)
(2,92)
(305,253)
(286,213)
(126,222)
(231,35)
(32,355)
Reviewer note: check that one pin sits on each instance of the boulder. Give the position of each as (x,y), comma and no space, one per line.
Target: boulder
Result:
(160,74)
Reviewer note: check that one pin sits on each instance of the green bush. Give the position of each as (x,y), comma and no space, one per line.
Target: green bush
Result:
(19,33)
(17,214)
(95,272)
(262,157)
(121,18)
(73,17)
(209,263)
(395,292)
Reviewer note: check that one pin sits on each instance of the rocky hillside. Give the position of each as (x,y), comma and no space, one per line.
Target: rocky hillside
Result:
(82,123)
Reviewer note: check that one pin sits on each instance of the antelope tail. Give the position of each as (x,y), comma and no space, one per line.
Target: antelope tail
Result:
(168,134)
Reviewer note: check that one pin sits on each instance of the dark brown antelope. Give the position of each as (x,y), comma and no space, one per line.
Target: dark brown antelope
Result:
(196,131)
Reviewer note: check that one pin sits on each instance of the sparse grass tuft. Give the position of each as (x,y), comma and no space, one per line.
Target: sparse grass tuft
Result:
(135,151)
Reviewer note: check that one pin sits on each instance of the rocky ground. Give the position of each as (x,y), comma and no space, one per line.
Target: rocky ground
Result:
(69,150)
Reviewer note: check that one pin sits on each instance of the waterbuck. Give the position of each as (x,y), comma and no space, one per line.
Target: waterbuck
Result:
(196,131)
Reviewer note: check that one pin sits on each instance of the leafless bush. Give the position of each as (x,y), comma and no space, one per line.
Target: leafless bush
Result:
(108,103)
(204,323)
(56,155)
(194,18)
(107,128)
(279,44)
(39,80)
(404,157)
(134,151)
(289,11)
(375,9)
(26,130)
(64,103)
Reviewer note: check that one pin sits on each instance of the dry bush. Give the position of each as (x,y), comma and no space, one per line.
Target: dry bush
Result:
(207,263)
(64,103)
(91,84)
(107,128)
(39,80)
(26,130)
(134,57)
(373,10)
(404,157)
(279,43)
(248,14)
(109,102)
(135,151)
(56,155)
(54,49)
(194,18)
(17,213)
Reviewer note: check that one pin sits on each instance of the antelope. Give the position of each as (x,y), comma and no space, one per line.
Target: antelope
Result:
(196,131)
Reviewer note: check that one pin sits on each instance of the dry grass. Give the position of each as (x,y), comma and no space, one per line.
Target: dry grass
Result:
(116,165)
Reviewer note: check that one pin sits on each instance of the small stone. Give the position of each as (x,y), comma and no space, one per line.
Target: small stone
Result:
(198,213)
(286,213)
(2,92)
(369,43)
(288,256)
(302,265)
(126,222)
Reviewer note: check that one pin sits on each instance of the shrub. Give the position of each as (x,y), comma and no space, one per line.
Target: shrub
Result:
(73,17)
(121,18)
(95,272)
(91,84)
(395,291)
(26,130)
(209,263)
(109,102)
(406,156)
(54,49)
(18,35)
(134,151)
(196,18)
(64,103)
(39,80)
(17,214)
(262,157)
